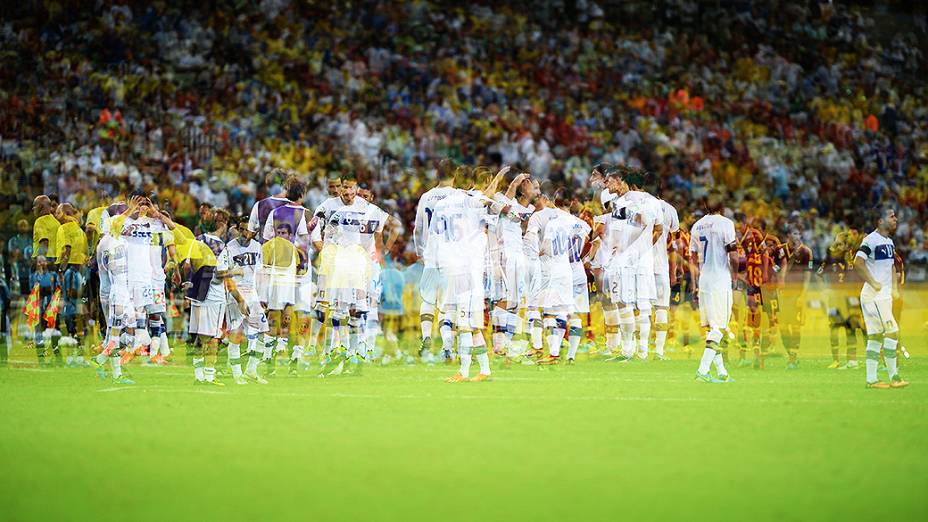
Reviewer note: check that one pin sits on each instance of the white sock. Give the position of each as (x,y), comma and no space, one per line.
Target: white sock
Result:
(253,360)
(447,336)
(719,364)
(873,359)
(210,373)
(155,347)
(573,338)
(116,363)
(708,355)
(484,361)
(281,344)
(235,359)
(426,329)
(165,346)
(465,342)
(644,333)
(537,331)
(889,353)
(660,339)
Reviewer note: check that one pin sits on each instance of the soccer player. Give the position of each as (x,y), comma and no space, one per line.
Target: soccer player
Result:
(288,222)
(670,222)
(631,268)
(509,262)
(207,295)
(752,243)
(456,226)
(774,268)
(238,265)
(262,209)
(356,233)
(582,248)
(874,262)
(71,243)
(44,229)
(424,211)
(116,300)
(796,275)
(713,246)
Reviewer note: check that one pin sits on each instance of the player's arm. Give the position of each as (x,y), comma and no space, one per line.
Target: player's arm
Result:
(896,279)
(421,230)
(733,257)
(233,291)
(860,265)
(395,226)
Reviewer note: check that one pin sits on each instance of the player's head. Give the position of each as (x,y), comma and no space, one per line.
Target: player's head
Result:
(886,220)
(22,226)
(41,262)
(283,231)
(365,193)
(295,190)
(795,235)
(41,205)
(245,236)
(334,184)
(220,220)
(274,177)
(445,171)
(66,213)
(349,190)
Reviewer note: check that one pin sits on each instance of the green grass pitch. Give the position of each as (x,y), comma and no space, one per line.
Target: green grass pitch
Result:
(596,441)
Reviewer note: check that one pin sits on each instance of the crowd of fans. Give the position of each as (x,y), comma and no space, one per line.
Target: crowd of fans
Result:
(795,114)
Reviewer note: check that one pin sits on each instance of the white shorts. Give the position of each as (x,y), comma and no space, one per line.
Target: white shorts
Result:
(462,299)
(509,283)
(533,285)
(206,318)
(628,287)
(715,307)
(158,305)
(556,288)
(142,295)
(662,285)
(878,316)
(581,298)
(305,297)
(254,323)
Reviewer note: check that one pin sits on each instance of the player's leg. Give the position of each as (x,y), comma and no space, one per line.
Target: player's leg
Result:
(644,328)
(465,344)
(447,331)
(475,319)
(156,332)
(574,336)
(234,353)
(426,321)
(854,332)
(498,321)
(715,312)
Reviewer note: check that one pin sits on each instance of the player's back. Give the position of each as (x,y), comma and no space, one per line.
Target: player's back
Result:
(261,211)
(670,223)
(711,238)
(454,232)
(424,211)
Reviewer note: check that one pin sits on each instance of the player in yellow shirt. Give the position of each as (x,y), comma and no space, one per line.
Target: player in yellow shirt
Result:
(71,242)
(44,230)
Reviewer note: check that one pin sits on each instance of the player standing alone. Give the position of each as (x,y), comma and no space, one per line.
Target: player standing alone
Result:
(713,249)
(874,262)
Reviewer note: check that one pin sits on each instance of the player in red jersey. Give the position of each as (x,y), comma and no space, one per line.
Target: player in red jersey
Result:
(796,276)
(680,292)
(752,242)
(774,253)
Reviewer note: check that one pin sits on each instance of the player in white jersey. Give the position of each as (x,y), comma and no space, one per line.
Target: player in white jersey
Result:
(551,228)
(356,233)
(582,247)
(112,260)
(671,223)
(508,263)
(144,228)
(636,220)
(207,294)
(238,265)
(345,192)
(874,261)
(603,226)
(162,261)
(713,253)
(458,225)
(424,211)
(262,209)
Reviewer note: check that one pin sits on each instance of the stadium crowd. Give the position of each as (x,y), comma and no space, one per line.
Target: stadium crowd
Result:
(796,114)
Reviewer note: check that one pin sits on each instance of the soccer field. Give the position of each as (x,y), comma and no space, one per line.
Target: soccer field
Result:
(593,441)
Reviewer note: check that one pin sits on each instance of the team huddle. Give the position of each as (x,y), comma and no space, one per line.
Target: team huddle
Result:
(285,281)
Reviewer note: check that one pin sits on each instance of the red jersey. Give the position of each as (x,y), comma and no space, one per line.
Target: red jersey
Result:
(798,263)
(774,261)
(752,242)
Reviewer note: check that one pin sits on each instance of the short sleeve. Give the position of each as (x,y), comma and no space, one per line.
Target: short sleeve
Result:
(253,222)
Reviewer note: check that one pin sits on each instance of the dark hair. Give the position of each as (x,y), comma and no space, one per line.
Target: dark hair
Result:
(296,190)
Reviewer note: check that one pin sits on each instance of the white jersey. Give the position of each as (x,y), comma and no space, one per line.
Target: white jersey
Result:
(607,240)
(510,225)
(712,238)
(579,235)
(293,217)
(671,223)
(554,241)
(878,253)
(113,263)
(456,239)
(424,211)
(248,257)
(634,217)
(323,212)
(356,224)
(160,242)
(140,234)
(534,232)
